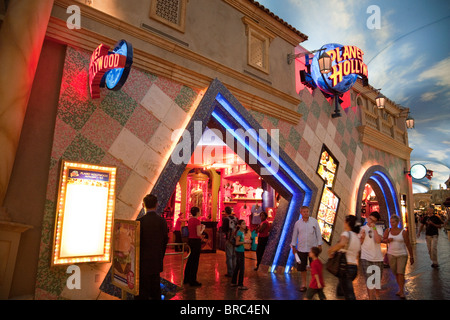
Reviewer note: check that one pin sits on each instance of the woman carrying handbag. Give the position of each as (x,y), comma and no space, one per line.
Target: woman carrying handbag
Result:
(350,244)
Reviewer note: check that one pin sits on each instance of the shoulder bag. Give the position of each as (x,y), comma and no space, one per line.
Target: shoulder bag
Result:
(338,263)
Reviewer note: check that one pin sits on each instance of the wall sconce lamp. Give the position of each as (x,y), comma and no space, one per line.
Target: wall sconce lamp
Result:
(409,122)
(380,100)
(324,59)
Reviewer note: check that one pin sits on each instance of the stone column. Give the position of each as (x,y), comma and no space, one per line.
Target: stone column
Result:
(21,37)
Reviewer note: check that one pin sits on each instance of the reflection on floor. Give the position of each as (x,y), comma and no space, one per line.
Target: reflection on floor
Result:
(422,281)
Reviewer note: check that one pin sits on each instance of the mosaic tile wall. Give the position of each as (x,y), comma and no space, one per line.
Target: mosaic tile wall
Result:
(131,129)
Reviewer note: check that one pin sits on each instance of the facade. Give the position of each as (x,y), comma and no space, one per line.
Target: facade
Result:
(219,63)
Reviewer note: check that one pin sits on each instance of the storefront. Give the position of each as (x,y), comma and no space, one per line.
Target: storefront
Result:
(275,144)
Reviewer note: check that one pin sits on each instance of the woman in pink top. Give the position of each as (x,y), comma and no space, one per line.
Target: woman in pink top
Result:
(398,248)
(196,229)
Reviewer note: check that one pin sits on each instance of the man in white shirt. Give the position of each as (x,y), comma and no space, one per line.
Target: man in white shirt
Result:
(371,256)
(306,235)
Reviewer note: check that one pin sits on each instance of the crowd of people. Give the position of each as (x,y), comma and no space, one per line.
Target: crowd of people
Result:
(361,247)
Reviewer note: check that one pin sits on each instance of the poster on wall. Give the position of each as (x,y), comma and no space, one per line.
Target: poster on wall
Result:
(326,216)
(327,213)
(327,167)
(84,216)
(125,265)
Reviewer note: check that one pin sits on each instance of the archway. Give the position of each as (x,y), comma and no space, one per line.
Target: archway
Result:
(378,179)
(220,110)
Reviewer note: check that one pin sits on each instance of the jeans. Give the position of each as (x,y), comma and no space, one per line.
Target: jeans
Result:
(345,285)
(240,268)
(432,242)
(230,256)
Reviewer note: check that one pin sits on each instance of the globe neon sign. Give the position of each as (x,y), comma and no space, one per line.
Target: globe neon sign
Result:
(109,68)
(347,65)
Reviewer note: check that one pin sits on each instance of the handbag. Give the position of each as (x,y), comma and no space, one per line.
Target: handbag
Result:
(337,264)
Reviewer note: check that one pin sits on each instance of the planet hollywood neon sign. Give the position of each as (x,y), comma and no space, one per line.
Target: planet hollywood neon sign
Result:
(109,69)
(346,65)
(348,60)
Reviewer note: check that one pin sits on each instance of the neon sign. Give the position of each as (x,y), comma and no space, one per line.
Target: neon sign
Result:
(348,61)
(110,68)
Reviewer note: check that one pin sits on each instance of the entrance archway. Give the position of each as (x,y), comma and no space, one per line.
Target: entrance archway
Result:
(220,110)
(379,180)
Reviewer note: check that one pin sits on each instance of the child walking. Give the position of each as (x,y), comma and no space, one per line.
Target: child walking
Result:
(316,285)
(240,256)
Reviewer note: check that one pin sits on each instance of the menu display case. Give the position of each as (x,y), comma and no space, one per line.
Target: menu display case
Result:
(326,216)
(327,213)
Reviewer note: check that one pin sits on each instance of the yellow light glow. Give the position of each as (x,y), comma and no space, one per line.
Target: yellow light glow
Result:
(85,214)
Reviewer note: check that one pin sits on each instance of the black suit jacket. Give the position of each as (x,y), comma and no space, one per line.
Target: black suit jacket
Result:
(154,238)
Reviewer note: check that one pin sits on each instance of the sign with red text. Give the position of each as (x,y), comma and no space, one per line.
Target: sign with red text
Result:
(110,68)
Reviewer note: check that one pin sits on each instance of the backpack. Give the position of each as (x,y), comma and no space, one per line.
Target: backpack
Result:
(231,227)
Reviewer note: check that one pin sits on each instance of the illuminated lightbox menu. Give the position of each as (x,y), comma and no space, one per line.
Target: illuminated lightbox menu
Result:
(84,216)
(329,202)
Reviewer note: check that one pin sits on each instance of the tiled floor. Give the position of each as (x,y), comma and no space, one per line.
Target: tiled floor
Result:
(422,281)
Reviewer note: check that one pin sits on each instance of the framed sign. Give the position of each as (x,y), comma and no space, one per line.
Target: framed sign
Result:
(84,213)
(326,216)
(125,265)
(327,167)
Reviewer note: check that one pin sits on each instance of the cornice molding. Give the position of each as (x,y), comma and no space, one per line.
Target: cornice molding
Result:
(265,20)
(374,138)
(89,40)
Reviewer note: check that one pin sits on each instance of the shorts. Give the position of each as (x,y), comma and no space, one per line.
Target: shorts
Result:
(304,256)
(398,263)
(365,264)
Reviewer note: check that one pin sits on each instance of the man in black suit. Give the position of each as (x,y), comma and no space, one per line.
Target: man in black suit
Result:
(153,242)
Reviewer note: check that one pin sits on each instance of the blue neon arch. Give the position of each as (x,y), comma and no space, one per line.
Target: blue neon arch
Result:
(219,108)
(382,179)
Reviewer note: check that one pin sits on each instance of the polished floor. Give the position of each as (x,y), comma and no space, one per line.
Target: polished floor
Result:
(422,281)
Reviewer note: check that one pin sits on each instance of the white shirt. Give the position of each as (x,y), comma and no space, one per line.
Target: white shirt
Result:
(306,235)
(370,250)
(354,246)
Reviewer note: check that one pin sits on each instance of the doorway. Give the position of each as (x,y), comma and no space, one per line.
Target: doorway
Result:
(220,111)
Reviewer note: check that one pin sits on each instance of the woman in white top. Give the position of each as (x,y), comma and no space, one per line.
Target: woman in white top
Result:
(351,244)
(398,248)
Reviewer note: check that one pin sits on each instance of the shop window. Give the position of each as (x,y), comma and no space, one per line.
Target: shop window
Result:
(169,12)
(258,42)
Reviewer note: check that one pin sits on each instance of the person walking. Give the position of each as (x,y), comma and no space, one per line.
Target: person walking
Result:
(398,248)
(306,234)
(371,255)
(263,236)
(229,223)
(349,240)
(153,243)
(239,270)
(196,229)
(432,224)
(317,283)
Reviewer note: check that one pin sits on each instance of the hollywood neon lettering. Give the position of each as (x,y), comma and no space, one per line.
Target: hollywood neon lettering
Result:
(102,61)
(349,60)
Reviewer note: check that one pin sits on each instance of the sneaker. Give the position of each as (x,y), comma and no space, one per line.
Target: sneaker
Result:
(242,288)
